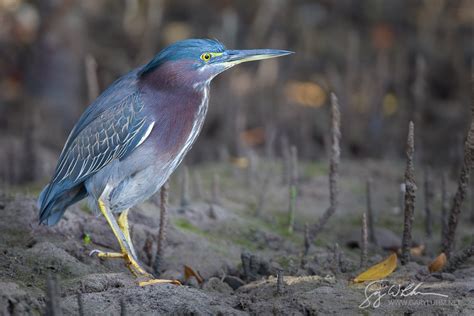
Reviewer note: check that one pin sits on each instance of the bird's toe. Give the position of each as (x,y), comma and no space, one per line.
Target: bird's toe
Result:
(103,254)
(158,281)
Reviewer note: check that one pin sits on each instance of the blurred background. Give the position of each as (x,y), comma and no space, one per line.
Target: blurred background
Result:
(388,62)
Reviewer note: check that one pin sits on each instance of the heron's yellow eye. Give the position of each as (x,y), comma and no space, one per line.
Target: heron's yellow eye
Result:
(206,56)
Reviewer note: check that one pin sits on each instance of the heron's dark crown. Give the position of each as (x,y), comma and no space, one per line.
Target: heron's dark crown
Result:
(186,49)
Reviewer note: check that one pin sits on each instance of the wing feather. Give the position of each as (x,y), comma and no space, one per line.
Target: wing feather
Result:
(113,134)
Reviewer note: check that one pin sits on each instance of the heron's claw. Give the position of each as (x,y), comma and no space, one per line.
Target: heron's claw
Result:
(94,251)
(158,281)
(130,261)
(103,254)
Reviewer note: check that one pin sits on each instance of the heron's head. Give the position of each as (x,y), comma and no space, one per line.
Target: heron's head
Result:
(200,60)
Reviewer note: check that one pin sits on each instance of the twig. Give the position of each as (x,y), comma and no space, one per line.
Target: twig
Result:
(198,192)
(251,169)
(29,152)
(410,187)
(285,151)
(293,190)
(53,304)
(185,200)
(80,304)
(428,195)
(370,213)
(215,196)
(148,248)
(212,211)
(419,93)
(271,131)
(279,290)
(91,77)
(307,241)
(336,260)
(250,266)
(364,242)
(333,167)
(472,201)
(459,258)
(463,183)
(401,196)
(444,207)
(261,194)
(123,308)
(162,229)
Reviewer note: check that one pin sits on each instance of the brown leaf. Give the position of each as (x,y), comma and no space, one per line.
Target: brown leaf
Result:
(189,272)
(414,251)
(417,251)
(438,263)
(379,271)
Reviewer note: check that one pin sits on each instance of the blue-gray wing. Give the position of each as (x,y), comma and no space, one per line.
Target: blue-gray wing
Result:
(113,134)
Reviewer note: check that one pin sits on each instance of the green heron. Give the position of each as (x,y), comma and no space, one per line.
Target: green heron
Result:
(135,134)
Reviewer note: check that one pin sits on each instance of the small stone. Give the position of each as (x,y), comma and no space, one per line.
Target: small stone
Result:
(448,276)
(216,285)
(234,282)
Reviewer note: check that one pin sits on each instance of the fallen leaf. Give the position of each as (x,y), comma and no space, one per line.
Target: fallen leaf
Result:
(414,251)
(189,272)
(240,162)
(417,251)
(438,263)
(379,271)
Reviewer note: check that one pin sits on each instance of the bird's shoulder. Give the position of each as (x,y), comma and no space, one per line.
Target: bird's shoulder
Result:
(109,100)
(110,128)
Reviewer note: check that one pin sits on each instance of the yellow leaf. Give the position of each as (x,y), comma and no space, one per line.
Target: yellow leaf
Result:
(380,270)
(240,162)
(438,263)
(189,272)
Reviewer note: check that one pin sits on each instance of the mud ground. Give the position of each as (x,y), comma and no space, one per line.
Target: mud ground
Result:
(237,251)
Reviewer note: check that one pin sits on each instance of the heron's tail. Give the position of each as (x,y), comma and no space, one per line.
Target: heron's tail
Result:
(52,206)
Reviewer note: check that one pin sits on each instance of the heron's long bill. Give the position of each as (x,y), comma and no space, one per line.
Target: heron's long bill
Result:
(234,57)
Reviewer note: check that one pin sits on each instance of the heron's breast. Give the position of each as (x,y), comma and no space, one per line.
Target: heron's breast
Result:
(178,121)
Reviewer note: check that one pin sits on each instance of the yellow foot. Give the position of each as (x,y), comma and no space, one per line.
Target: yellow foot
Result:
(105,255)
(131,263)
(158,281)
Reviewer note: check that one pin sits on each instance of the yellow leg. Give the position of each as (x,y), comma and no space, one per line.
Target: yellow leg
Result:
(122,233)
(126,252)
(123,224)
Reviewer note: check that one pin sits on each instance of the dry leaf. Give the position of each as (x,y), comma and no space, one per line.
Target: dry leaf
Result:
(240,162)
(414,251)
(417,251)
(438,263)
(189,272)
(379,271)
